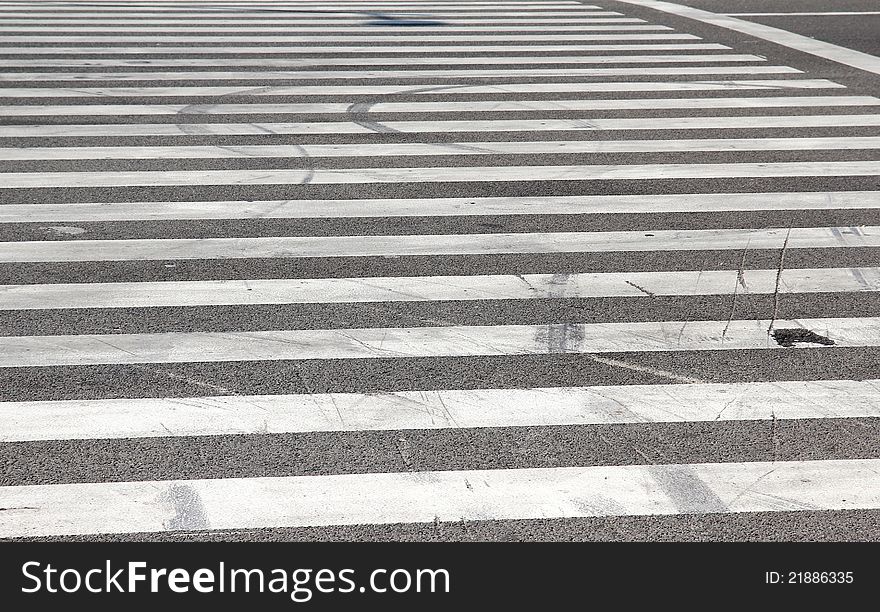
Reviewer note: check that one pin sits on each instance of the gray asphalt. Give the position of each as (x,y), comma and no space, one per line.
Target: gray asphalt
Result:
(484,312)
(243,456)
(511,447)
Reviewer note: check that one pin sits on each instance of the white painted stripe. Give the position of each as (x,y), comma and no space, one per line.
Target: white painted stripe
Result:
(353,38)
(445,409)
(417,127)
(314,3)
(463,73)
(437,244)
(259,9)
(430,288)
(398,49)
(322,3)
(320,7)
(451,89)
(599,25)
(301,18)
(427,497)
(799,14)
(200,20)
(319,4)
(438,207)
(38,13)
(452,341)
(352,7)
(252,10)
(256,8)
(445,174)
(444,149)
(835,53)
(437,107)
(379,61)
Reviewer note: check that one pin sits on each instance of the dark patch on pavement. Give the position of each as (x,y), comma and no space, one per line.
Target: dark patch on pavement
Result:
(790,337)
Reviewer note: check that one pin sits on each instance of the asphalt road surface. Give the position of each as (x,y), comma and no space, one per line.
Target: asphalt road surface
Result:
(440,270)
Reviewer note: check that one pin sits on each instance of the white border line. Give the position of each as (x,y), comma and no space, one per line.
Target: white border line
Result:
(835,53)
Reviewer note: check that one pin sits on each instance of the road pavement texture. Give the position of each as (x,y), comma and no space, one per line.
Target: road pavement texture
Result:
(441,270)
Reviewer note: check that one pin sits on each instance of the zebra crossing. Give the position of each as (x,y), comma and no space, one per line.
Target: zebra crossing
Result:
(292,264)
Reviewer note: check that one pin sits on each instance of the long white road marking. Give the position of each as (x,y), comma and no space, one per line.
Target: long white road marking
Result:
(451,341)
(433,207)
(426,497)
(396,49)
(835,53)
(414,15)
(263,62)
(319,412)
(248,8)
(437,244)
(614,25)
(98,19)
(417,20)
(115,110)
(299,25)
(313,75)
(352,8)
(39,12)
(432,90)
(455,148)
(820,14)
(445,174)
(476,125)
(354,39)
(319,8)
(322,6)
(430,288)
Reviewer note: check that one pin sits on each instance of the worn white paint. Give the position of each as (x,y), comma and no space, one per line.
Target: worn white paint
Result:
(444,174)
(451,341)
(291,20)
(474,125)
(396,49)
(445,409)
(143,249)
(227,62)
(427,288)
(615,25)
(464,73)
(426,497)
(803,14)
(353,38)
(523,147)
(349,7)
(438,107)
(452,89)
(437,244)
(442,207)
